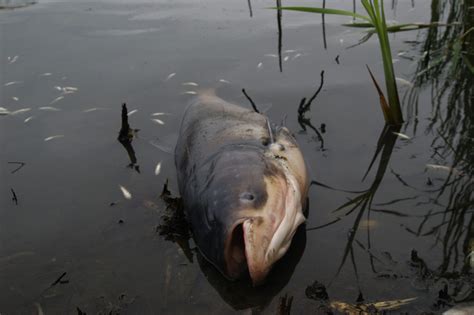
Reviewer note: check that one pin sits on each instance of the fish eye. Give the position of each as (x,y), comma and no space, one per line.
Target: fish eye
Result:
(247,196)
(265,141)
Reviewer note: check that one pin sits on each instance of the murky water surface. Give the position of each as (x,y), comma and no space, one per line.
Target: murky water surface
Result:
(69,240)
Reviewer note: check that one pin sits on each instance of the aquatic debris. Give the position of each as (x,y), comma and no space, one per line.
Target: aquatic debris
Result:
(224,81)
(286,58)
(260,64)
(46,74)
(271,55)
(28,119)
(130,113)
(163,147)
(370,308)
(57,99)
(443,168)
(19,111)
(190,92)
(402,135)
(12,83)
(49,108)
(14,198)
(170,76)
(158,168)
(190,84)
(158,121)
(125,192)
(12,60)
(60,280)
(15,98)
(53,137)
(21,164)
(402,81)
(93,109)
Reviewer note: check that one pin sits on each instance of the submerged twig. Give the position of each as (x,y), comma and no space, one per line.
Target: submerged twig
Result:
(18,168)
(251,101)
(14,198)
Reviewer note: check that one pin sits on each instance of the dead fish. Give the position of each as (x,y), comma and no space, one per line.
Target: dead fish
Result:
(159,114)
(224,81)
(125,192)
(39,309)
(158,169)
(28,119)
(190,92)
(19,111)
(57,99)
(70,89)
(130,113)
(443,168)
(461,309)
(12,60)
(170,76)
(16,99)
(297,56)
(244,184)
(46,74)
(289,51)
(286,58)
(93,109)
(271,55)
(49,108)
(190,84)
(12,83)
(260,65)
(158,121)
(53,137)
(404,82)
(57,87)
(4,111)
(402,135)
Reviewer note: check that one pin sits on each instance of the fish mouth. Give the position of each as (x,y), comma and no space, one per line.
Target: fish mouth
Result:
(256,242)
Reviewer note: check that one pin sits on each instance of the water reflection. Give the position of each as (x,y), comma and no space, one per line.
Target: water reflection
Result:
(280,34)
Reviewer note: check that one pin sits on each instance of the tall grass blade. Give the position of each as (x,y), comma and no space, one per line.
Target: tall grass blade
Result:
(383,101)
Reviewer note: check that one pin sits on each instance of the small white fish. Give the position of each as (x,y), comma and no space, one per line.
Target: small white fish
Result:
(93,109)
(39,309)
(158,121)
(271,55)
(13,60)
(12,83)
(46,74)
(19,111)
(68,92)
(286,58)
(15,98)
(158,169)
(190,84)
(190,92)
(224,81)
(402,81)
(50,108)
(57,99)
(125,192)
(260,64)
(57,87)
(402,53)
(289,51)
(170,76)
(341,41)
(402,135)
(70,88)
(297,56)
(28,119)
(130,113)
(442,168)
(159,114)
(4,111)
(53,137)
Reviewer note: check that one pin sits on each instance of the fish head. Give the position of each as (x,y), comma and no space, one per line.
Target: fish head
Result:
(257,197)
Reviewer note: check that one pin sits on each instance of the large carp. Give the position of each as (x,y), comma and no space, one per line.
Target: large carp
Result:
(243,182)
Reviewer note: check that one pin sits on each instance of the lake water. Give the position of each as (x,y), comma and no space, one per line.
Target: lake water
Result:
(69,240)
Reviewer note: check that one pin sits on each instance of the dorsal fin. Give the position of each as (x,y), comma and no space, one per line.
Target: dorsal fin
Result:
(270,132)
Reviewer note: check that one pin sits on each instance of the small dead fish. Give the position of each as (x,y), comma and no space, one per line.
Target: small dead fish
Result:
(13,60)
(46,74)
(12,83)
(39,309)
(404,82)
(297,56)
(125,192)
(170,76)
(159,114)
(224,81)
(158,169)
(402,135)
(158,121)
(57,99)
(57,87)
(271,55)
(190,92)
(50,108)
(341,41)
(53,137)
(70,88)
(19,111)
(286,58)
(4,111)
(442,168)
(15,98)
(68,92)
(130,113)
(289,51)
(28,119)
(190,84)
(93,109)
(260,64)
